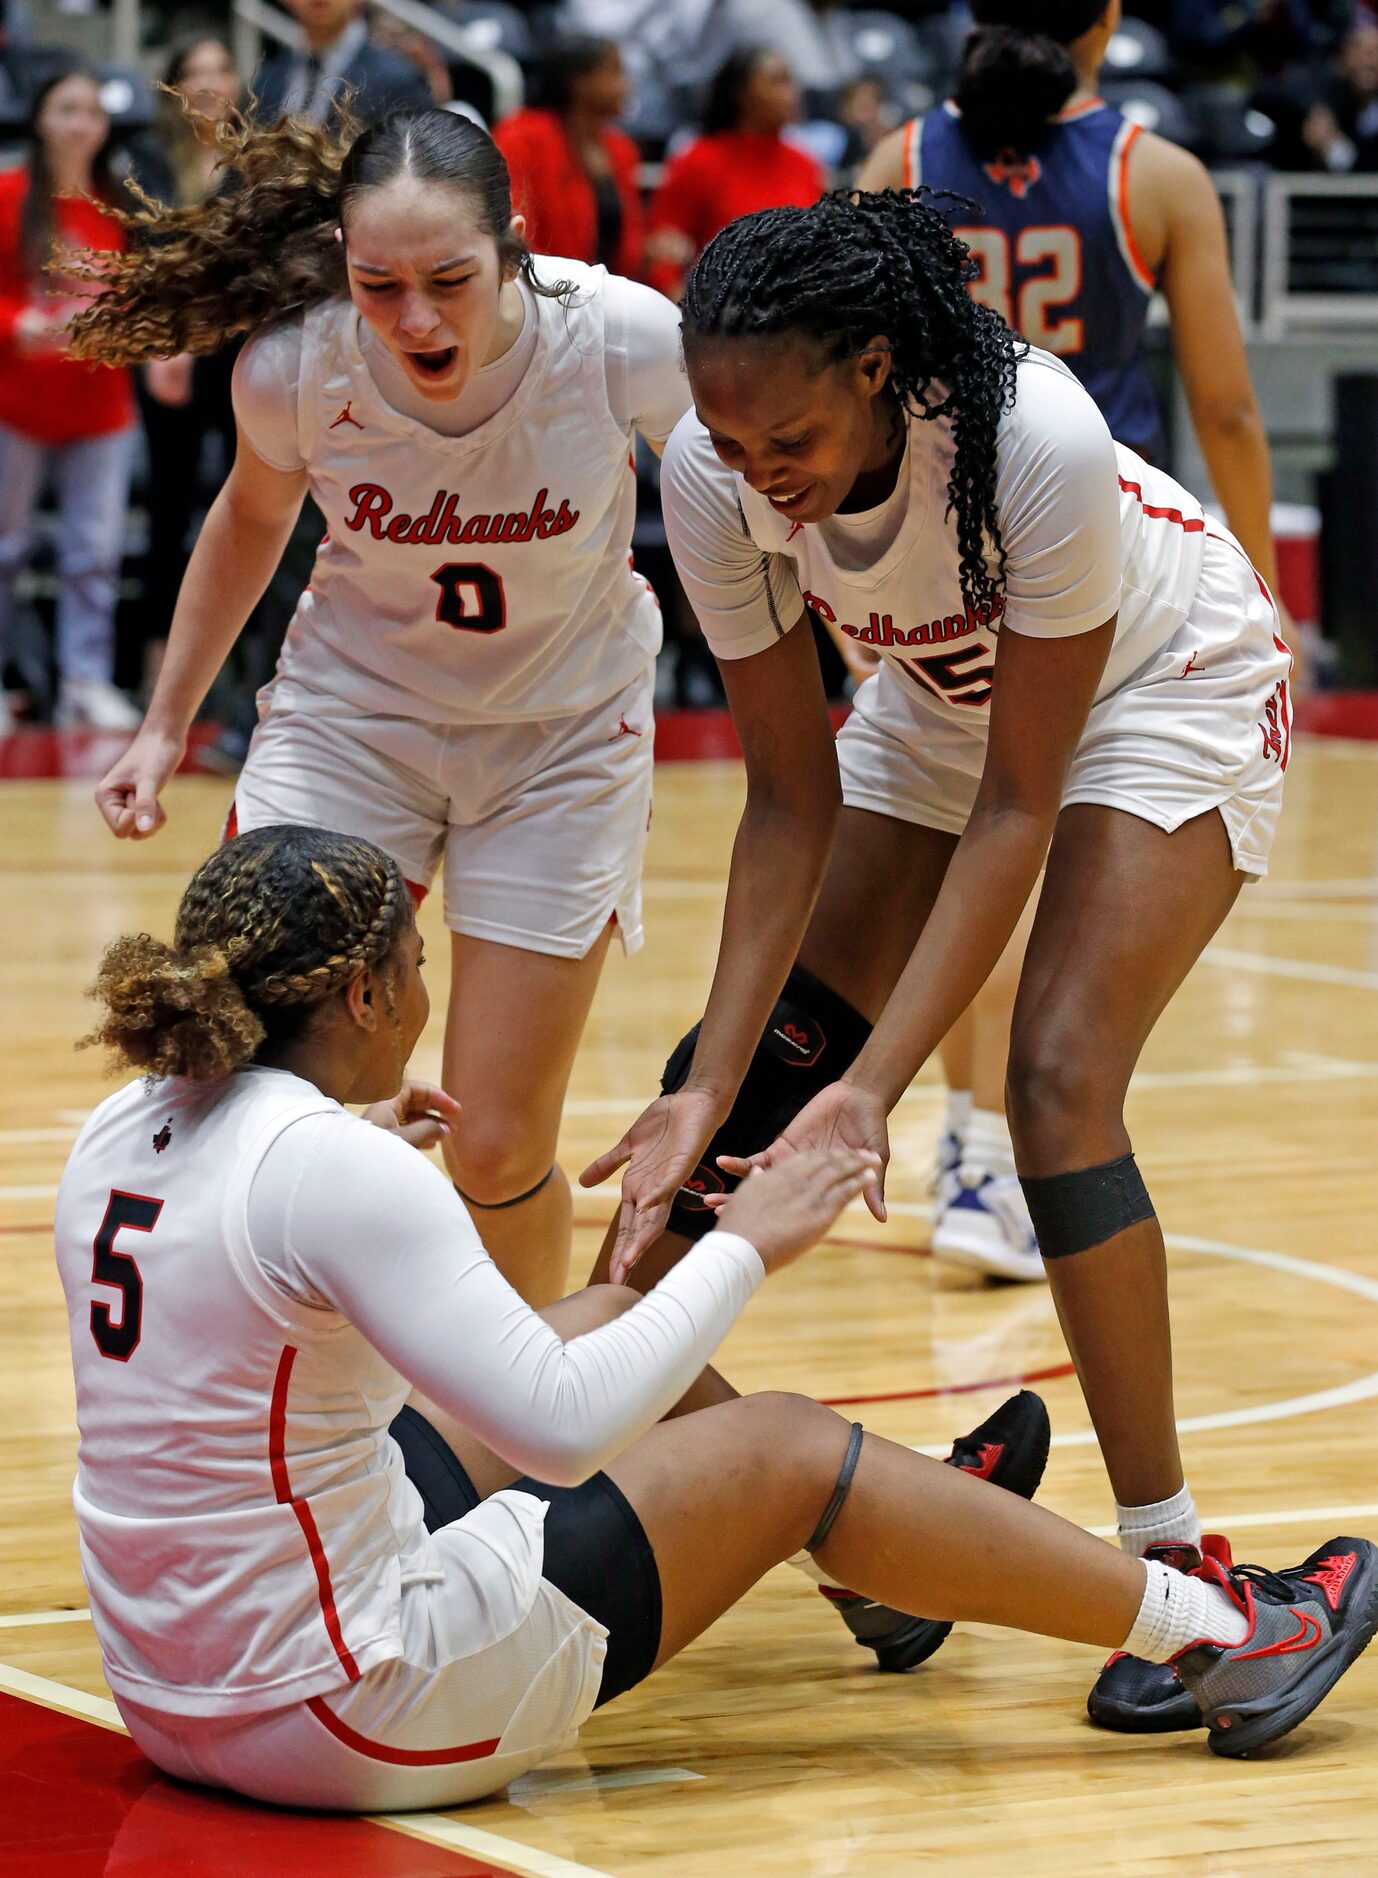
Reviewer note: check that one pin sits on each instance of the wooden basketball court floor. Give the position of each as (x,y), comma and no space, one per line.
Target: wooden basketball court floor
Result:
(770,1747)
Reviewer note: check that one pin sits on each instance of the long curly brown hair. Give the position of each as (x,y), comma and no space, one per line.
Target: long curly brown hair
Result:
(270,927)
(193,277)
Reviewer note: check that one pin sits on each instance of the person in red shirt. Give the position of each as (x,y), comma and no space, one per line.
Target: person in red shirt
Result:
(740,164)
(573,171)
(60,418)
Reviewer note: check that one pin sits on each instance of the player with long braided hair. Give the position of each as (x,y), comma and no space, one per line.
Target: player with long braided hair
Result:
(1075,216)
(1076,665)
(467,679)
(364,1531)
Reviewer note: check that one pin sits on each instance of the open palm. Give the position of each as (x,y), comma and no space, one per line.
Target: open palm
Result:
(840,1116)
(661,1149)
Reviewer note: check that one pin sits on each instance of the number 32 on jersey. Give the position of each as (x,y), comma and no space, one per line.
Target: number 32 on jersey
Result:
(1030,302)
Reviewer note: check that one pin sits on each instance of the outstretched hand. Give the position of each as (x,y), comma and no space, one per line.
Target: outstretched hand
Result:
(661,1149)
(789,1208)
(840,1116)
(420,1112)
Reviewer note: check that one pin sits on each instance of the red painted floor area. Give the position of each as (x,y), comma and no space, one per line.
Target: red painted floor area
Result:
(681,736)
(78,1801)
(82,755)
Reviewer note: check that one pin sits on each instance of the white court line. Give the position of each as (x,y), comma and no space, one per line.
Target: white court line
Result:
(542,1782)
(1297,1066)
(34,1136)
(1366,887)
(433,1827)
(437,1829)
(1315,913)
(47,1191)
(1270,967)
(40,1689)
(22,1620)
(1361,1389)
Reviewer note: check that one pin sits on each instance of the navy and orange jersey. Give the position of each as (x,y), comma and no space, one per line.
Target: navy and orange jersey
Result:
(1056,250)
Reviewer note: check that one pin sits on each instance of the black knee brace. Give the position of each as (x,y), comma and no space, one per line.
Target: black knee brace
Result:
(813,1036)
(1074,1212)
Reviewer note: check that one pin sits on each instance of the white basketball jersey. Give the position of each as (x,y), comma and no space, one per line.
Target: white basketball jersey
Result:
(908,604)
(467,579)
(244,1519)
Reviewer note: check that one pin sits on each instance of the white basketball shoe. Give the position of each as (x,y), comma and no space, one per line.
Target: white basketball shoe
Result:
(985,1226)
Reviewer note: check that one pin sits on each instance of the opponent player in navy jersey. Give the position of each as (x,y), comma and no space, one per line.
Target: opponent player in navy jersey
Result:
(1082,215)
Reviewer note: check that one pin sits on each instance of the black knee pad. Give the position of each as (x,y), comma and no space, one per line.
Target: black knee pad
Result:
(1074,1212)
(812,1037)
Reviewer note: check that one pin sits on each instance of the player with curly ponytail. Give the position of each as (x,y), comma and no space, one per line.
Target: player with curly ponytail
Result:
(1075,666)
(468,678)
(269,928)
(360,1529)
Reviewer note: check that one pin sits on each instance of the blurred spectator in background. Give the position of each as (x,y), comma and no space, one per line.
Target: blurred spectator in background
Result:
(686,40)
(183,400)
(867,114)
(1243,38)
(338,55)
(394,35)
(574,173)
(1330,121)
(61,419)
(739,164)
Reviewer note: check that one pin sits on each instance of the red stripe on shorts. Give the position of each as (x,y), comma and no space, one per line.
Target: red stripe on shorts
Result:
(282,1487)
(1194,525)
(397,1757)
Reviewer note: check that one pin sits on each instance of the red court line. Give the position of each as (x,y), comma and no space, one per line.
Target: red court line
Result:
(81,1802)
(1053,1371)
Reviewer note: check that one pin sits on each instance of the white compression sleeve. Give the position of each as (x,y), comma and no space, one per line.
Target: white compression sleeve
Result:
(344,1214)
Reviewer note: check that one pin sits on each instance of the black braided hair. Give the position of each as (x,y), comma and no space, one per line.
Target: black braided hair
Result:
(855,266)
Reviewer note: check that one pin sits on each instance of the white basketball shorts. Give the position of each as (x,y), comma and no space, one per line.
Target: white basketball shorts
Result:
(436,1726)
(540,827)
(1205,724)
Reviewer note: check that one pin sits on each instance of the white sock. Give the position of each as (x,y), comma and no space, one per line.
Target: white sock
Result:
(958,1117)
(1177,1611)
(804,1562)
(1162,1523)
(986,1144)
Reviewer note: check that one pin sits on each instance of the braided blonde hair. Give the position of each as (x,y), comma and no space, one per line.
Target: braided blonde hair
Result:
(270,927)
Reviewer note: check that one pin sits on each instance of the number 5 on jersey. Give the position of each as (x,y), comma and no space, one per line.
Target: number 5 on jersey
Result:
(133,1212)
(471,597)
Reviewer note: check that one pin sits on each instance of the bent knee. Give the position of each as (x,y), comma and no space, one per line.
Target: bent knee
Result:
(790,1427)
(493,1166)
(605,1302)
(1061,1074)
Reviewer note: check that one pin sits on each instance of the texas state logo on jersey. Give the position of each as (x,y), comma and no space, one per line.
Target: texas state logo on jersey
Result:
(1055,250)
(472,578)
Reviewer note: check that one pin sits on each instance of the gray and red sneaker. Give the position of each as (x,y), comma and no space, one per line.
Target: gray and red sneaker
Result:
(1136,1697)
(1306,1626)
(1010,1448)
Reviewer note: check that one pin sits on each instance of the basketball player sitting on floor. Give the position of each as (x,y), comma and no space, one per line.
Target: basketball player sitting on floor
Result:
(258,1282)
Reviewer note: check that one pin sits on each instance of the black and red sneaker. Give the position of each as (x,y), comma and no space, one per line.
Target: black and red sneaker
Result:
(1306,1626)
(1010,1449)
(1136,1697)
